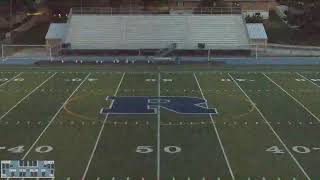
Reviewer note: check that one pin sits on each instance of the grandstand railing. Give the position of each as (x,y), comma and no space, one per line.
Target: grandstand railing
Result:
(210,53)
(112,11)
(214,51)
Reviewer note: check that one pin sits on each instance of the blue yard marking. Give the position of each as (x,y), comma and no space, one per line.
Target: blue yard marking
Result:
(149,104)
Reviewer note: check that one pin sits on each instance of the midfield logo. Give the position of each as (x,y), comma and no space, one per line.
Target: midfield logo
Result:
(150,104)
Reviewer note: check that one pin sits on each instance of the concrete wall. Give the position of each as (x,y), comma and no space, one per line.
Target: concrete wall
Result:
(262,43)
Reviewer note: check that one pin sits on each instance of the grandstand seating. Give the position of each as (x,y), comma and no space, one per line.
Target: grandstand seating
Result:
(155,31)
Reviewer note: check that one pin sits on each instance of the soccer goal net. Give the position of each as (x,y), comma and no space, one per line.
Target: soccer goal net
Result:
(26,52)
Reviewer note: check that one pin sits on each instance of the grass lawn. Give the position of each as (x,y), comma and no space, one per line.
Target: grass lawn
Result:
(267,124)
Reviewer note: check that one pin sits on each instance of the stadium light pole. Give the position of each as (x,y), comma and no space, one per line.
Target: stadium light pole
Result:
(81,7)
(10,15)
(50,54)
(256,52)
(2,54)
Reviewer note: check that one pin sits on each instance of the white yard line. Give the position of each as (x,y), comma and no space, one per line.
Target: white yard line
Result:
(216,131)
(158,127)
(271,128)
(308,80)
(100,133)
(54,117)
(10,80)
(26,96)
(296,100)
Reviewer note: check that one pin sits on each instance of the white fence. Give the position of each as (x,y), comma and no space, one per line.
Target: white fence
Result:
(290,50)
(26,51)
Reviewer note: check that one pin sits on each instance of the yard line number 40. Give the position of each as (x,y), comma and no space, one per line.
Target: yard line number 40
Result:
(39,149)
(297,149)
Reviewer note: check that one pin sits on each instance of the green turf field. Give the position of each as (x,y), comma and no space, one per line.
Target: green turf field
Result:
(267,126)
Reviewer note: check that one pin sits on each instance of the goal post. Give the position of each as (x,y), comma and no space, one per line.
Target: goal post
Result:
(19,51)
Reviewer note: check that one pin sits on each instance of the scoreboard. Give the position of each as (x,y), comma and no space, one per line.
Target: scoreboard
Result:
(27,169)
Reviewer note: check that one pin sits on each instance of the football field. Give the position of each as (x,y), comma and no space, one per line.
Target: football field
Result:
(103,125)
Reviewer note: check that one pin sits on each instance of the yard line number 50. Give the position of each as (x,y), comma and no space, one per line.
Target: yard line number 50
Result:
(149,149)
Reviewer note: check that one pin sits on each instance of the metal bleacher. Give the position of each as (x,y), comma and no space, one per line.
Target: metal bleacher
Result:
(155,31)
(218,32)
